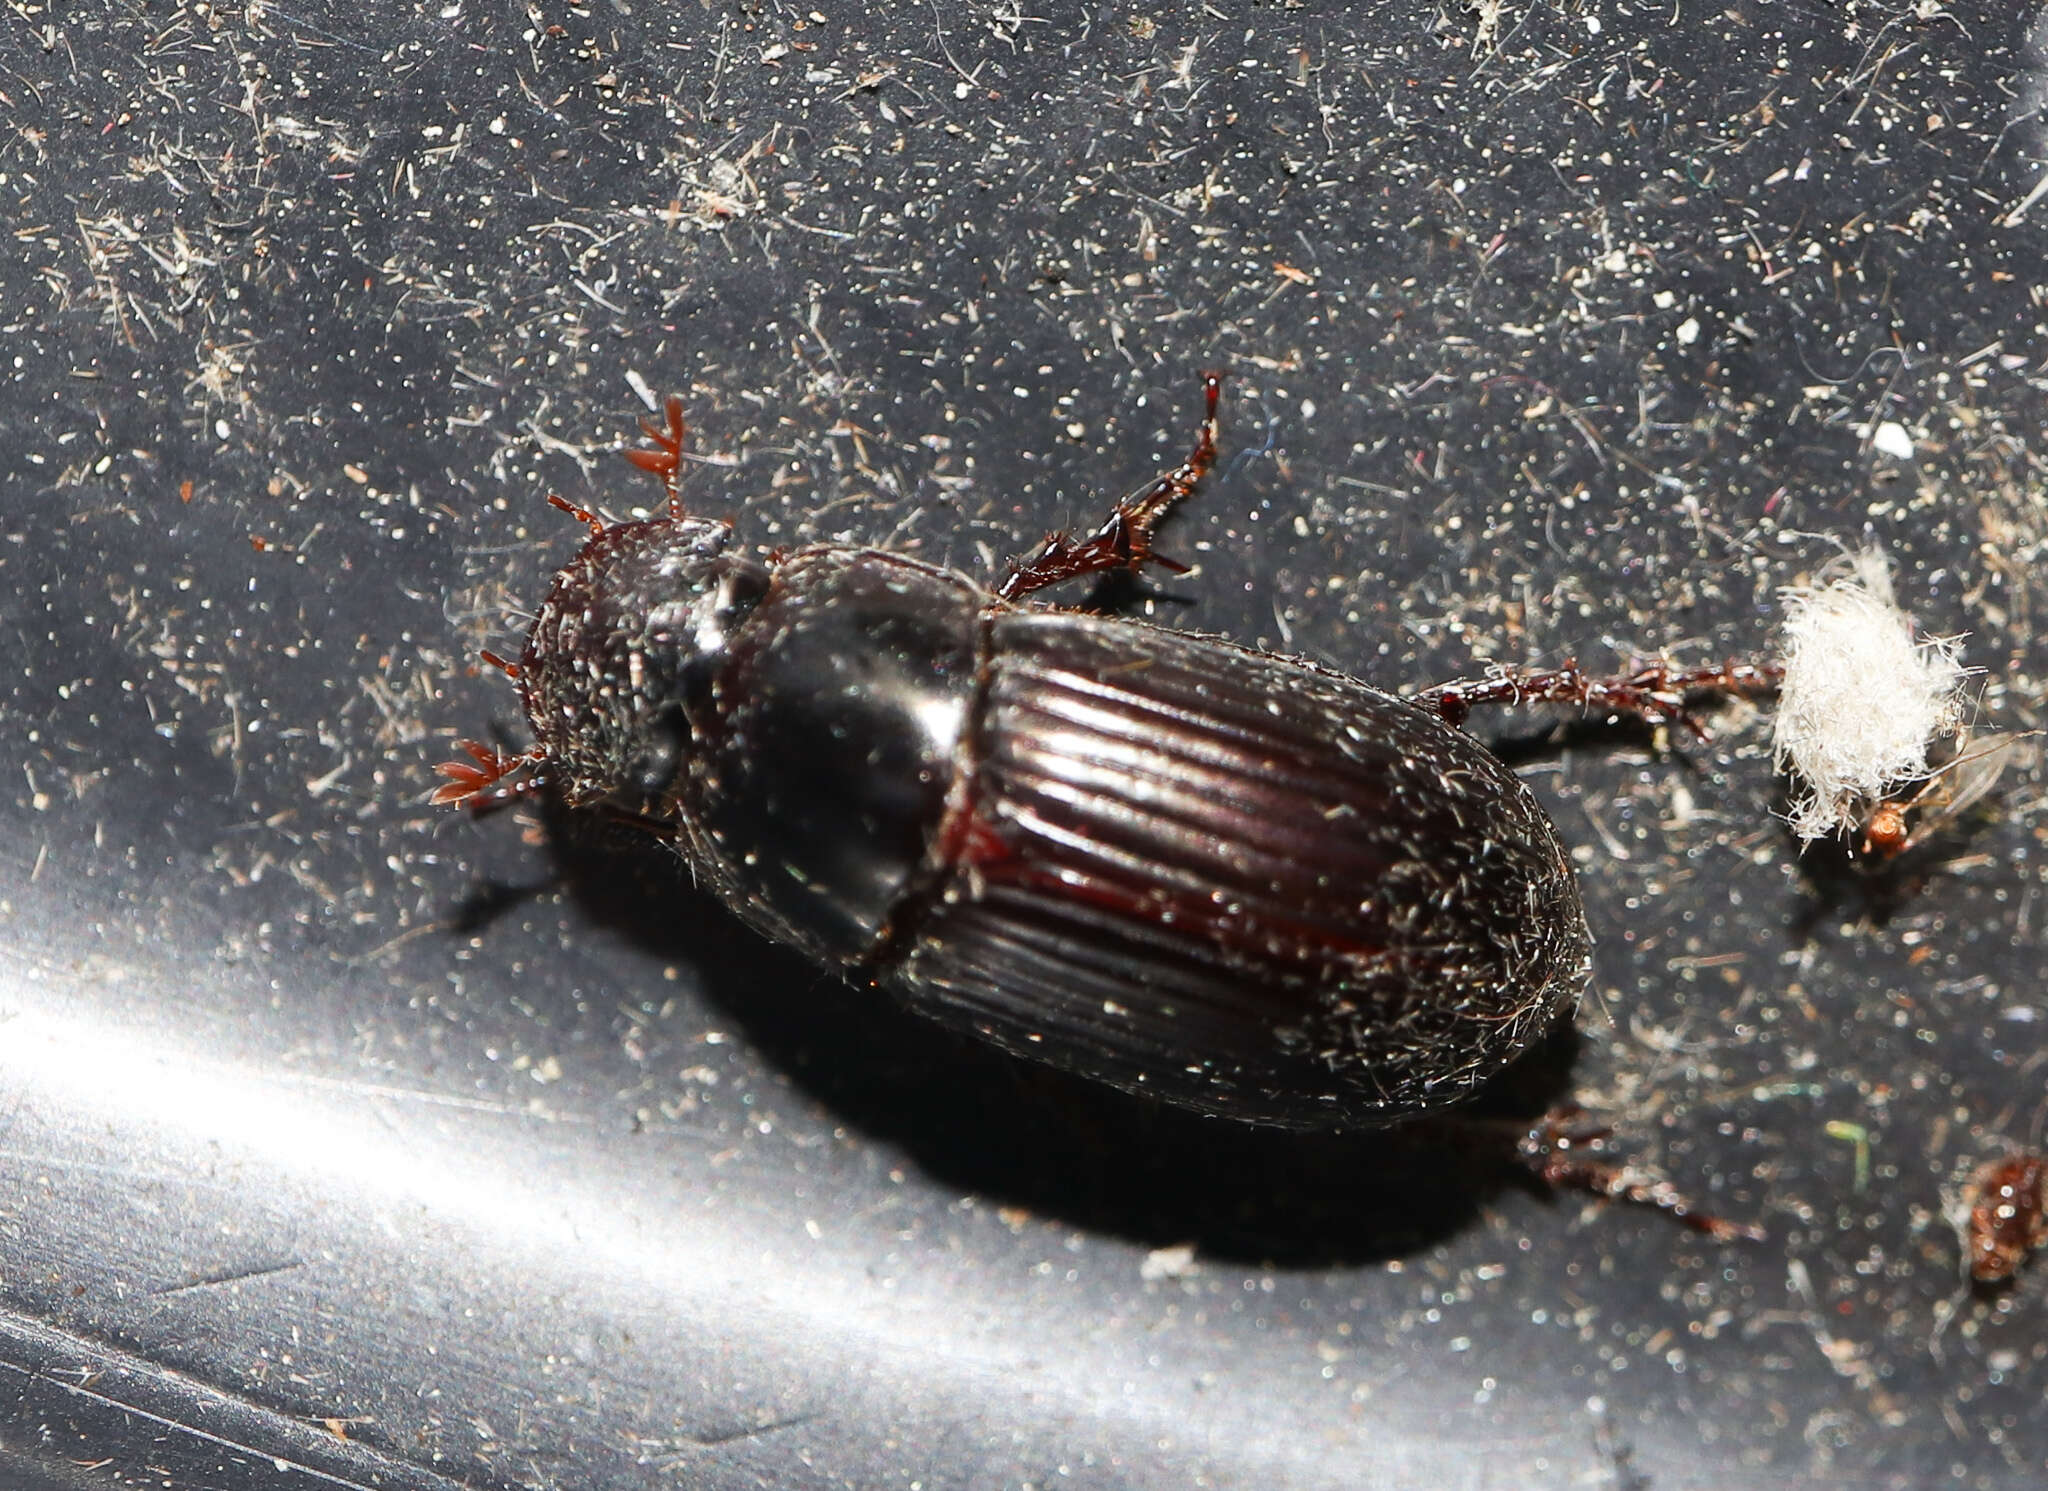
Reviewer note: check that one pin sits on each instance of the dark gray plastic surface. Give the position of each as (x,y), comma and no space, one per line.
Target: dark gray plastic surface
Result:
(347,1142)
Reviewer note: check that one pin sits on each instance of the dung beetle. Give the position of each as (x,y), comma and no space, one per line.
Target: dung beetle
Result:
(1243,884)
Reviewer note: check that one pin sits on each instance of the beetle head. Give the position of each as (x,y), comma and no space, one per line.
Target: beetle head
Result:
(624,651)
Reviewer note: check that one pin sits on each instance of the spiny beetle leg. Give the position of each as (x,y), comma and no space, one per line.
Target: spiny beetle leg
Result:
(1658,694)
(1124,541)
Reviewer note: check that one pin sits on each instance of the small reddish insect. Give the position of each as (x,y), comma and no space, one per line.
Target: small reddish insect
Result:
(2008,1215)
(1239,883)
(1897,825)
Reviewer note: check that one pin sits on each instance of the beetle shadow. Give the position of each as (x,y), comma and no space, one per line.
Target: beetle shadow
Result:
(1837,886)
(1121,592)
(1553,740)
(1027,1136)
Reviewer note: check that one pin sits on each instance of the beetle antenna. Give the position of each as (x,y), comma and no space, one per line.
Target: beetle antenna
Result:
(666,458)
(481,784)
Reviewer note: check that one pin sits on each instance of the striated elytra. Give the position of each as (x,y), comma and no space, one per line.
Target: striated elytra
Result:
(1241,883)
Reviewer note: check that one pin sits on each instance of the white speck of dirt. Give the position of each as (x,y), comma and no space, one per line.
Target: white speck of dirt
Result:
(1176,1262)
(1863,697)
(1890,438)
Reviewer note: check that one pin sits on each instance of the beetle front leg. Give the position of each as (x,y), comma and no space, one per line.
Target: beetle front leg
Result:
(1124,541)
(1657,694)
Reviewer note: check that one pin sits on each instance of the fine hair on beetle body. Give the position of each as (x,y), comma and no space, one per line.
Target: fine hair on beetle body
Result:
(1241,884)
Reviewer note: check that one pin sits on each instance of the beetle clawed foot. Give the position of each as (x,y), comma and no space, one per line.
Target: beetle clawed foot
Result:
(486,782)
(1560,1149)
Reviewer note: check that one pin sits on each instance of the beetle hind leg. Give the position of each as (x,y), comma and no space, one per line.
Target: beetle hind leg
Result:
(1657,694)
(1559,1150)
(1124,541)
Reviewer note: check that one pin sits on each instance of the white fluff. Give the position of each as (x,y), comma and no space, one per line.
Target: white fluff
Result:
(1862,699)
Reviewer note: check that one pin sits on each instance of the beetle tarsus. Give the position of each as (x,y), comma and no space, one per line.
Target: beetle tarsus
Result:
(1658,694)
(1124,541)
(1557,1150)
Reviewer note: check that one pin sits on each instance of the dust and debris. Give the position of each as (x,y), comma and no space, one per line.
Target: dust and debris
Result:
(1175,1262)
(1864,697)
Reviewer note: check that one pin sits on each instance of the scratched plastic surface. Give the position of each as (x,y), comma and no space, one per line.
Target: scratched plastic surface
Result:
(350,1143)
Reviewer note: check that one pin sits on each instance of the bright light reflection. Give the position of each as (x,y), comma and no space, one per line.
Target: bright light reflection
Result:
(92,1077)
